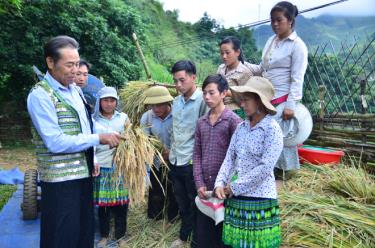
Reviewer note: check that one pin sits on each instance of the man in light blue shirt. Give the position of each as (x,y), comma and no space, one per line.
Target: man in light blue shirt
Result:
(187,109)
(64,142)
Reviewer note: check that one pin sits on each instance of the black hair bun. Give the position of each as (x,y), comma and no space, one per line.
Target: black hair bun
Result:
(295,10)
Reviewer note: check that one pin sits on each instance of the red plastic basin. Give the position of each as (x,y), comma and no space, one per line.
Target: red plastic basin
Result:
(319,155)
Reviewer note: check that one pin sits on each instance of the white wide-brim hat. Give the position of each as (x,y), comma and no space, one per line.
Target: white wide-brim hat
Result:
(297,129)
(260,86)
(212,207)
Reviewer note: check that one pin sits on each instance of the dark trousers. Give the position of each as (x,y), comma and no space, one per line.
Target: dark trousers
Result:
(67,214)
(208,235)
(184,191)
(120,215)
(158,203)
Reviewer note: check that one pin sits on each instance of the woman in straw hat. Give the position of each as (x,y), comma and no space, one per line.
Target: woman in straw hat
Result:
(110,193)
(246,178)
(233,69)
(284,63)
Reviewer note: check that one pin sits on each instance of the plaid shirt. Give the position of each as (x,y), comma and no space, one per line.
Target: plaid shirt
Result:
(211,144)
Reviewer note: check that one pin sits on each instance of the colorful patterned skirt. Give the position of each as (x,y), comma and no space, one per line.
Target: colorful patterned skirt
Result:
(252,222)
(241,113)
(109,190)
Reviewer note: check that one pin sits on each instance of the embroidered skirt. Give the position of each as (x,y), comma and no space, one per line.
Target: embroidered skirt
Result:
(109,190)
(252,222)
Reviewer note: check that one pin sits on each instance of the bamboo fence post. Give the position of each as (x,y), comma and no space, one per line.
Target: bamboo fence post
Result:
(322,92)
(148,73)
(362,82)
(364,105)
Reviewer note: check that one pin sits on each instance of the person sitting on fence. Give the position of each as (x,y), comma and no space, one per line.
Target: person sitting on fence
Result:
(246,179)
(284,63)
(233,69)
(212,136)
(110,193)
(158,122)
(63,136)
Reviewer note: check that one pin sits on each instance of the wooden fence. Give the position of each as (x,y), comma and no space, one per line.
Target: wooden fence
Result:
(339,92)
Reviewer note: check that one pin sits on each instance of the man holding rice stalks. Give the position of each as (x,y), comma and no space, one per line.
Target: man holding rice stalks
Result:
(63,136)
(187,109)
(158,122)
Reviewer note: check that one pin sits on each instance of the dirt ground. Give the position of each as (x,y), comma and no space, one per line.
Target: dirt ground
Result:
(23,157)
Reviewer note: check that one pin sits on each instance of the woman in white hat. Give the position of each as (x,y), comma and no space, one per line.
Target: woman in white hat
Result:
(110,193)
(246,178)
(284,63)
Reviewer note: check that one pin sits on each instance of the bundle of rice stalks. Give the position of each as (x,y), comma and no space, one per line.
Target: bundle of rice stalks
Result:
(334,211)
(132,98)
(304,232)
(353,183)
(135,151)
(328,207)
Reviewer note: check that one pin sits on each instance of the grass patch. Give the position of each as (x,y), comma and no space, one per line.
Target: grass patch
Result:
(6,191)
(17,156)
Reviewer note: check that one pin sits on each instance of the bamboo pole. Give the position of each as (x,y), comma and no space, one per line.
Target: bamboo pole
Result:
(348,148)
(165,85)
(364,107)
(148,73)
(345,132)
(344,141)
(343,120)
(343,135)
(322,92)
(355,116)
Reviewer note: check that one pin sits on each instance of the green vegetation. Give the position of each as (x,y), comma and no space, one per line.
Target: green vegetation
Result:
(103,29)
(6,191)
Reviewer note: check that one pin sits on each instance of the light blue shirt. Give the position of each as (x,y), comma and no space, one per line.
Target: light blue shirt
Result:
(103,153)
(160,128)
(43,115)
(185,117)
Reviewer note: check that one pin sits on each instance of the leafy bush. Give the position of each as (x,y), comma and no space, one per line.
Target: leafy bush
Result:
(103,29)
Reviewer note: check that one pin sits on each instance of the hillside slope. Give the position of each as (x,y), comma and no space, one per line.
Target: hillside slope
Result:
(316,31)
